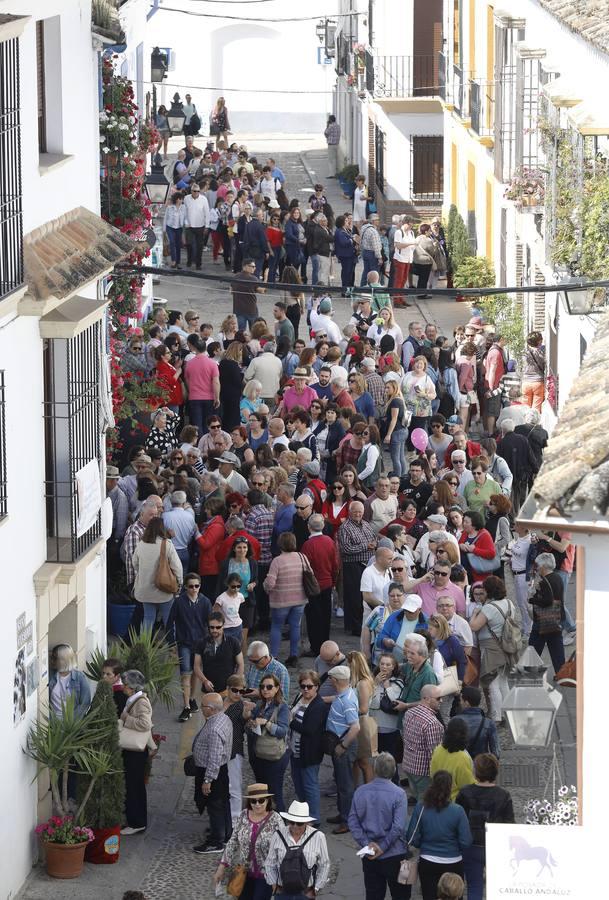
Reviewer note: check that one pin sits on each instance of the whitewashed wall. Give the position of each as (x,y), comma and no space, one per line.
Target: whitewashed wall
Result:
(214,57)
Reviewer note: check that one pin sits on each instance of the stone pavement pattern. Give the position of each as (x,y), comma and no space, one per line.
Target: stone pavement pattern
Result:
(161,862)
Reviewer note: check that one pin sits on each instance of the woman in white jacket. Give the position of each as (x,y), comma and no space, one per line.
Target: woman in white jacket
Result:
(146,563)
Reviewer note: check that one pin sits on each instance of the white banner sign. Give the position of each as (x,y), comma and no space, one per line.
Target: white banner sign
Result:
(551,861)
(88,486)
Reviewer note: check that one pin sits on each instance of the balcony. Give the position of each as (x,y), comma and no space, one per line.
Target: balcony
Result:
(460,93)
(11,231)
(482,110)
(400,77)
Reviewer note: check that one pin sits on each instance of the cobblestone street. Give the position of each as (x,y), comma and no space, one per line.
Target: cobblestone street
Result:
(161,862)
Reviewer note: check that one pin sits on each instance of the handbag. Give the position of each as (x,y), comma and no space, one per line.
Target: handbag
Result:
(549,618)
(236,882)
(472,673)
(130,739)
(567,674)
(483,566)
(409,868)
(195,123)
(330,741)
(268,746)
(164,579)
(450,682)
(388,705)
(190,769)
(309,581)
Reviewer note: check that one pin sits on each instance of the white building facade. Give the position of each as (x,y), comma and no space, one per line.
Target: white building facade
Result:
(54,248)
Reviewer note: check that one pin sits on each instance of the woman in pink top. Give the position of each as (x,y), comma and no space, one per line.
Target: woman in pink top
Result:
(287,597)
(300,394)
(203,380)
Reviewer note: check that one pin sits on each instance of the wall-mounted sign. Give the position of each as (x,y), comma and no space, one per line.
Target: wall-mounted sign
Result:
(88,487)
(25,634)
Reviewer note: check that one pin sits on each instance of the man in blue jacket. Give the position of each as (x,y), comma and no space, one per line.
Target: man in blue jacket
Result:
(378,821)
(400,624)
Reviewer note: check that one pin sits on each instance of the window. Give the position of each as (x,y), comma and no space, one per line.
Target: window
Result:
(3,502)
(428,168)
(72,438)
(456,33)
(379,156)
(41,85)
(11,232)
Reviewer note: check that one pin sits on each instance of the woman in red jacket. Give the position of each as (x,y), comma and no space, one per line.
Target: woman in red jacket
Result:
(168,377)
(475,543)
(335,508)
(208,540)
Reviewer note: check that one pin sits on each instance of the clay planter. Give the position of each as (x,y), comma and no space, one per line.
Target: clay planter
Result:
(64,860)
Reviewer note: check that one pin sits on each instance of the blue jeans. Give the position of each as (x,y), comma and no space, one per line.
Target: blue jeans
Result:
(184,556)
(272,772)
(371,264)
(198,413)
(174,236)
(186,658)
(235,632)
(397,446)
(306,785)
(245,322)
(343,776)
(274,263)
(567,623)
(473,864)
(286,615)
(314,268)
(150,612)
(347,272)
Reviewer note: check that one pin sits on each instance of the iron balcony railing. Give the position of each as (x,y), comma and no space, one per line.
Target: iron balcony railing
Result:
(442,87)
(11,226)
(482,107)
(461,99)
(403,76)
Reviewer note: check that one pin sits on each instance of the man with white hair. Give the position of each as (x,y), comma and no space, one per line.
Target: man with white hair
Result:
(380,297)
(356,540)
(459,463)
(376,577)
(343,725)
(266,369)
(371,247)
(340,394)
(413,344)
(180,522)
(211,750)
(261,664)
(151,508)
(212,486)
(434,523)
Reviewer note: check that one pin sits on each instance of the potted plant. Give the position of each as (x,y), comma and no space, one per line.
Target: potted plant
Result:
(106,800)
(346,179)
(61,745)
(120,605)
(526,188)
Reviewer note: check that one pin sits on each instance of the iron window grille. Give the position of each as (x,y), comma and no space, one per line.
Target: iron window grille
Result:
(3,489)
(11,224)
(427,168)
(72,436)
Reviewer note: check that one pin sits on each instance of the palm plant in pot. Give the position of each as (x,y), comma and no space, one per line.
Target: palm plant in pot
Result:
(104,807)
(62,745)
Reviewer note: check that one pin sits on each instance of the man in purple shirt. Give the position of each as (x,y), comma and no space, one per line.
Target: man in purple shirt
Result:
(441,586)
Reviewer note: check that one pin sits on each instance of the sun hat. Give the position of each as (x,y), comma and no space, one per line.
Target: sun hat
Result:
(343,673)
(298,813)
(228,457)
(368,363)
(257,791)
(112,472)
(391,376)
(412,603)
(437,519)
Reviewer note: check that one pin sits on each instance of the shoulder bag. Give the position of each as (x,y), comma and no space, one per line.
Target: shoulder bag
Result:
(268,746)
(164,579)
(409,868)
(450,682)
(309,581)
(483,566)
(130,739)
(236,882)
(190,768)
(548,618)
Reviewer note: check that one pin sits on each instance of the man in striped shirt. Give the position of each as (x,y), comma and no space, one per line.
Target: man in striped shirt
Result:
(422,732)
(259,523)
(151,508)
(356,542)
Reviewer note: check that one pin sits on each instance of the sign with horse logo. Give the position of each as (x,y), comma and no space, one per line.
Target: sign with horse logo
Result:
(537,861)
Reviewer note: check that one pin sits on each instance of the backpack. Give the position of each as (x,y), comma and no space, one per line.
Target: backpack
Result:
(294,873)
(511,639)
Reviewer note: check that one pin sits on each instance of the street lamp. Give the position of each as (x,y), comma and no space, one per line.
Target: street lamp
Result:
(176,116)
(320,30)
(156,183)
(590,301)
(531,705)
(158,65)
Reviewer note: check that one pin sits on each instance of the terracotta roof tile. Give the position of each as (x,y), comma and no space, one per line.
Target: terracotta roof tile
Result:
(63,255)
(588,18)
(575,471)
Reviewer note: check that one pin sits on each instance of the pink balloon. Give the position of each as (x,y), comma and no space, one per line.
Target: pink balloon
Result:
(419,439)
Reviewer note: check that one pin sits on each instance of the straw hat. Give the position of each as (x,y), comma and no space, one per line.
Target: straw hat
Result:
(257,792)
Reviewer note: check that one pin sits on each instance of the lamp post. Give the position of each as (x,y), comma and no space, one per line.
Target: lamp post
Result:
(320,30)
(156,183)
(176,116)
(591,301)
(531,705)
(158,66)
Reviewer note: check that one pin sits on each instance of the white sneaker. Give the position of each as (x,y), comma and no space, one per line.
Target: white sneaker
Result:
(130,830)
(339,612)
(569,638)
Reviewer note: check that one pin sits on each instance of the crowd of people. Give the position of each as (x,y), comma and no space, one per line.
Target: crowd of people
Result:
(304,476)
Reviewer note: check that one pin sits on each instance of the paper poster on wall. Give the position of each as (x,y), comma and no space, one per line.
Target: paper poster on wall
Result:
(88,487)
(31,677)
(537,861)
(44,664)
(19,688)
(25,634)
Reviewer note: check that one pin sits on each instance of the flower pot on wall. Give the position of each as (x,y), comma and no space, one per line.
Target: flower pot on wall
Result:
(64,860)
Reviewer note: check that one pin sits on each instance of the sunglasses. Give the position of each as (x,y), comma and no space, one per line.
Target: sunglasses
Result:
(215,627)
(194,584)
(438,572)
(213,427)
(267,687)
(307,687)
(397,568)
(477,472)
(258,802)
(303,507)
(339,487)
(454,483)
(238,690)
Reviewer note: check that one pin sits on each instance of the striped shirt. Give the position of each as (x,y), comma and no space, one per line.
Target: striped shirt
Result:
(133,536)
(344,711)
(353,539)
(422,732)
(259,523)
(315,853)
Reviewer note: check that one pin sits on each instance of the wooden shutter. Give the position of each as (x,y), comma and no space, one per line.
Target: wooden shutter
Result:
(40,81)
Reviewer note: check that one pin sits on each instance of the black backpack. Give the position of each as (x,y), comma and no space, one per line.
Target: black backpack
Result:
(294,873)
